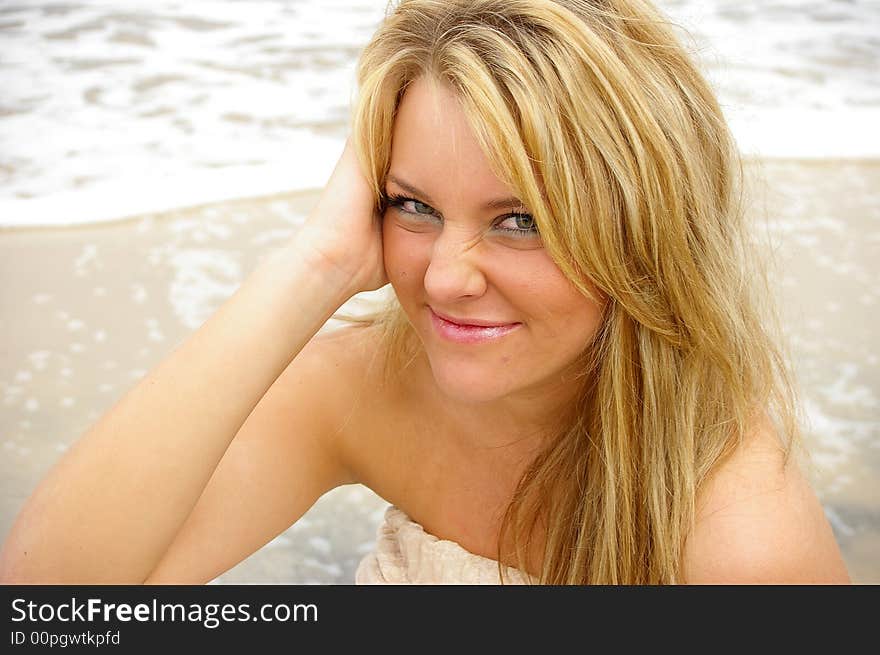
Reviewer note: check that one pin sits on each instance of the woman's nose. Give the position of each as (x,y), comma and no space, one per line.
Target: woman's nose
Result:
(454,271)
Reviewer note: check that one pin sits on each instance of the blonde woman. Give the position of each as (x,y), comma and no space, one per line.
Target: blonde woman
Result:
(576,382)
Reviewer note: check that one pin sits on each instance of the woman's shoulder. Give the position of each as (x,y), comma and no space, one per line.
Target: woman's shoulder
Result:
(758,521)
(315,396)
(348,341)
(346,377)
(344,361)
(376,412)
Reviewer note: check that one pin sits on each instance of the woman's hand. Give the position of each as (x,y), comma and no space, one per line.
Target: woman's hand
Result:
(343,232)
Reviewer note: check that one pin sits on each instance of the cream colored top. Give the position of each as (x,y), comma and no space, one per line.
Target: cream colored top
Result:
(406,554)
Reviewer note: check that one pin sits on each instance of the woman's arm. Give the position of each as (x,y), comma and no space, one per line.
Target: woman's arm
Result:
(287,455)
(109,510)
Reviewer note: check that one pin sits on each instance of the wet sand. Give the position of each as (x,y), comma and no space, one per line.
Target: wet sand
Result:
(85,312)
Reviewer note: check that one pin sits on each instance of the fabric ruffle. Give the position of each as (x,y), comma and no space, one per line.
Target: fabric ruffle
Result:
(406,554)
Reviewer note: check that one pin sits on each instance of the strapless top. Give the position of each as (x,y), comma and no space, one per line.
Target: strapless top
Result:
(406,554)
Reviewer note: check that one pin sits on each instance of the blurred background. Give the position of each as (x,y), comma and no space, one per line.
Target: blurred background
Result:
(152,152)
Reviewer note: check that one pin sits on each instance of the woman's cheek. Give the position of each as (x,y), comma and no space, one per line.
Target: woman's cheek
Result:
(405,253)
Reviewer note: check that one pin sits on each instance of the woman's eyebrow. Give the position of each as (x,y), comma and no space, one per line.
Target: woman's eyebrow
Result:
(500,203)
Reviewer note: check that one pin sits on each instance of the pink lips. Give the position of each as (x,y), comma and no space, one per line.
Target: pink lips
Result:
(467,333)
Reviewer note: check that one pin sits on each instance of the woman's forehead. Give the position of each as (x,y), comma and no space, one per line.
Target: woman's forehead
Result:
(434,145)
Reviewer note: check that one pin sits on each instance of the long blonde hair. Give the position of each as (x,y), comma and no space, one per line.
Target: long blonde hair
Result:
(595,115)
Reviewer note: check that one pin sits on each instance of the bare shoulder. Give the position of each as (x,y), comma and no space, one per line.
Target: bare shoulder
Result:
(349,349)
(758,521)
(340,370)
(339,366)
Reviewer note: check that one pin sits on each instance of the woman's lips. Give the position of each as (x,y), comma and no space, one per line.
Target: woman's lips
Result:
(462,333)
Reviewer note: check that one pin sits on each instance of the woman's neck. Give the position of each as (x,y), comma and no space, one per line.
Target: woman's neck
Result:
(516,423)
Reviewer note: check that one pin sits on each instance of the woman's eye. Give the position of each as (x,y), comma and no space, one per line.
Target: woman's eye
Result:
(411,206)
(420,207)
(519,224)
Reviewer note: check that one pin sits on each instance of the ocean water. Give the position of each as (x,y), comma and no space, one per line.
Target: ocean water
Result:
(115,109)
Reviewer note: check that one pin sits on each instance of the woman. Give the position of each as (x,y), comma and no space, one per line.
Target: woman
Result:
(575,383)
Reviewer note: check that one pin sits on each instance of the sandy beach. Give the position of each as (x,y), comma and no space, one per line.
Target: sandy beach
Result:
(87,311)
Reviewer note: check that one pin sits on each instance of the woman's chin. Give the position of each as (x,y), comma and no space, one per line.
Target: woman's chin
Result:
(469,384)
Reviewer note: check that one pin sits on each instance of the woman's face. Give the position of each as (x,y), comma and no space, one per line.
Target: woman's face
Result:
(496,316)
